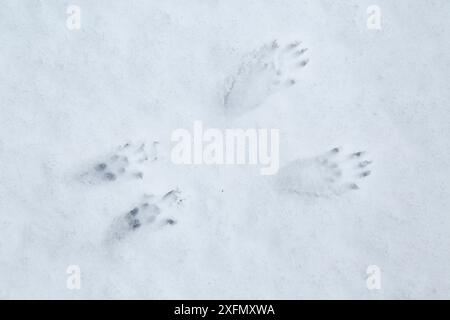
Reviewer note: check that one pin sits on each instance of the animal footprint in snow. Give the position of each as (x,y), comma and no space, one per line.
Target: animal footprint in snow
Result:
(128,161)
(330,174)
(150,211)
(263,72)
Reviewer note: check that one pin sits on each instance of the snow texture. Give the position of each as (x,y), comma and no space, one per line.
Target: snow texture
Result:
(86,177)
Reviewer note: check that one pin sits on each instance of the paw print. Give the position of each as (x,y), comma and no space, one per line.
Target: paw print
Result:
(150,211)
(332,173)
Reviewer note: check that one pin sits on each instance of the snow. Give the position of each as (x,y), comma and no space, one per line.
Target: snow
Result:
(138,70)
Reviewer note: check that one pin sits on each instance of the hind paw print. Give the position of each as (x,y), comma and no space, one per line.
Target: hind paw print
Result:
(332,173)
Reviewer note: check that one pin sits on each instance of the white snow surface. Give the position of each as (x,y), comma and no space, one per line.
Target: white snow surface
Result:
(137,70)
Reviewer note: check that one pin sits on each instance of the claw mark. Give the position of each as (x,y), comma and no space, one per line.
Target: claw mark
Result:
(294,44)
(110,176)
(170,221)
(135,224)
(100,167)
(134,211)
(303,63)
(336,150)
(327,174)
(126,162)
(154,209)
(141,147)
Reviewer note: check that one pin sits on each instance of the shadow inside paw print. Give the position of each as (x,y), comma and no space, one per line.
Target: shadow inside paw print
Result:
(150,211)
(126,162)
